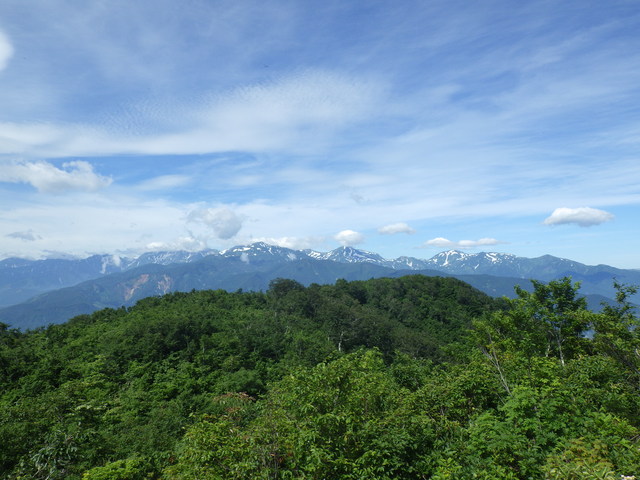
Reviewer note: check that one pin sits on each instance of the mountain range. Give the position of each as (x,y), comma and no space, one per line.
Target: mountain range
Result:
(38,292)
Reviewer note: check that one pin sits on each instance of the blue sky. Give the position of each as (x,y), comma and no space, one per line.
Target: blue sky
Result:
(403,128)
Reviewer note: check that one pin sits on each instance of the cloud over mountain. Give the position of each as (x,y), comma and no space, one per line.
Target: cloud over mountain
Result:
(349,237)
(440,242)
(224,222)
(187,243)
(295,243)
(582,216)
(394,228)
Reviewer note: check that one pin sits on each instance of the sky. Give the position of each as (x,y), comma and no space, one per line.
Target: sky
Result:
(401,128)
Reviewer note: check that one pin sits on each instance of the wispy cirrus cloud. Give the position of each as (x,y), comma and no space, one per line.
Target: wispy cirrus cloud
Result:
(298,111)
(582,216)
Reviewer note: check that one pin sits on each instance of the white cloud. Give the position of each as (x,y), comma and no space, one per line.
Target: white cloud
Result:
(164,182)
(394,228)
(182,243)
(294,243)
(440,242)
(6,51)
(223,221)
(45,177)
(583,216)
(349,237)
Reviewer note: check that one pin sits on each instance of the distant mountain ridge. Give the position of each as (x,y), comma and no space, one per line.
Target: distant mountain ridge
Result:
(38,292)
(21,279)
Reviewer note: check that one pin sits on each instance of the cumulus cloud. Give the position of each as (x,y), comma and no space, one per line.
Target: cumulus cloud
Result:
(27,236)
(224,222)
(583,216)
(48,178)
(394,228)
(440,242)
(6,51)
(349,237)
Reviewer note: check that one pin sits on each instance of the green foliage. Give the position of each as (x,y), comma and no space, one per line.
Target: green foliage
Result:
(607,449)
(343,419)
(129,469)
(407,378)
(124,384)
(580,461)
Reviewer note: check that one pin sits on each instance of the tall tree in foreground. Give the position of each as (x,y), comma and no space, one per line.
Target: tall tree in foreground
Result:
(617,332)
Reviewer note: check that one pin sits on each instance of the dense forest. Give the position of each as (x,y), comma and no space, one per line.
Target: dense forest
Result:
(408,378)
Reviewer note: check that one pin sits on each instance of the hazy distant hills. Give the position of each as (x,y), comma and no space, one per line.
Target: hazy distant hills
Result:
(35,293)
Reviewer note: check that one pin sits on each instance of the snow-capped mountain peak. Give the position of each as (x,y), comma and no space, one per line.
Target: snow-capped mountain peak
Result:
(260,250)
(166,258)
(348,254)
(446,258)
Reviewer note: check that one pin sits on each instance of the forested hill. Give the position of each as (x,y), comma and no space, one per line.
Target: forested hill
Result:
(411,378)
